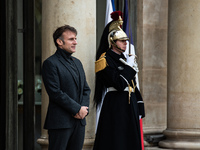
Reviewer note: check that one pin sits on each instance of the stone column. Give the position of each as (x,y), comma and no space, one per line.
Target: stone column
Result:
(82,16)
(183,123)
(152,59)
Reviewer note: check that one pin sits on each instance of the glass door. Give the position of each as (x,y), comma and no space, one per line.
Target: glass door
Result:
(29,73)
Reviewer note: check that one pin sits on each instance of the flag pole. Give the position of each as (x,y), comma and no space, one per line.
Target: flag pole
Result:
(129,30)
(130,52)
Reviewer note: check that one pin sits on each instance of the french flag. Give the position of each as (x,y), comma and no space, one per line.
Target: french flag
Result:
(110,7)
(130,49)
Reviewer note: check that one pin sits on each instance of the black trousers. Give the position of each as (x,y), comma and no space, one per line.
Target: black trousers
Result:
(67,139)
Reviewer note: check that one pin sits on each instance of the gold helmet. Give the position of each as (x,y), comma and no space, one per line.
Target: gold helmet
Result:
(115,31)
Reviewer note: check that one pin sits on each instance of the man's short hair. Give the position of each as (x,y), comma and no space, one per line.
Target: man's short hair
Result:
(59,31)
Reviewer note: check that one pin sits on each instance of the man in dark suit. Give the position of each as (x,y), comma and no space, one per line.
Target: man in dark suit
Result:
(68,91)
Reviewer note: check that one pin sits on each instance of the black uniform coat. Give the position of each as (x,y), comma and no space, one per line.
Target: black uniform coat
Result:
(67,90)
(118,127)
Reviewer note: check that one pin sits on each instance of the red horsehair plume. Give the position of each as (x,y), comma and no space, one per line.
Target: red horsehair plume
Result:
(115,15)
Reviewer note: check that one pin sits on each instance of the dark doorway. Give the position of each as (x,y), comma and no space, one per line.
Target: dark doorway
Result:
(20,102)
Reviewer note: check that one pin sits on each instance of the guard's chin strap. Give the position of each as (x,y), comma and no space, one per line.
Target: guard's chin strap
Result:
(120,49)
(117,46)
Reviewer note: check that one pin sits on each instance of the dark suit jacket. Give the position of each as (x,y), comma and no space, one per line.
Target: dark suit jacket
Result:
(62,88)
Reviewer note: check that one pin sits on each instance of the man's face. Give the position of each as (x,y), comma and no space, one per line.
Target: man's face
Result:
(68,41)
(121,44)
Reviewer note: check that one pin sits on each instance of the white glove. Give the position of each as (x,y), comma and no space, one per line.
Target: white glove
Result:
(131,61)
